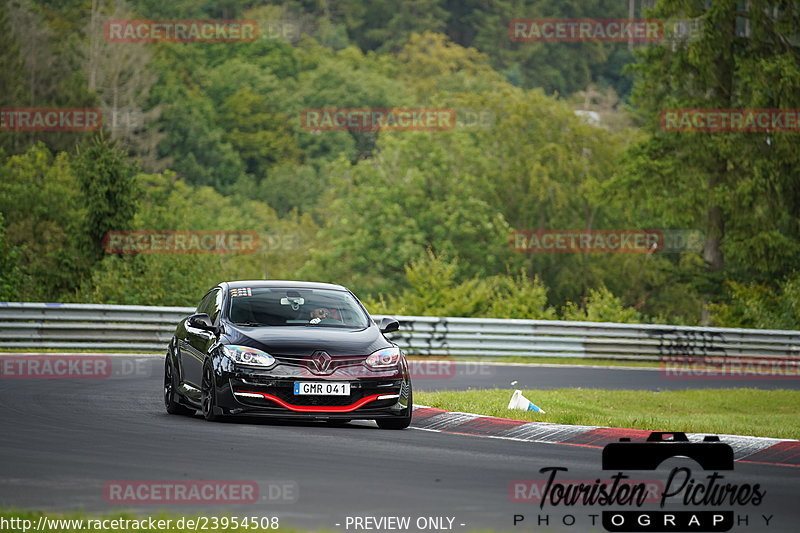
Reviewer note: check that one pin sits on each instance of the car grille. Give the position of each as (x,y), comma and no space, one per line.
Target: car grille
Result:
(305,361)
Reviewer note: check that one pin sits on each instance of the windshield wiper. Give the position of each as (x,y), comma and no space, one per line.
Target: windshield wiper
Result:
(251,324)
(347,326)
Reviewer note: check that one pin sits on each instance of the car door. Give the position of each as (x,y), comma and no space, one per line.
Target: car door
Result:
(198,341)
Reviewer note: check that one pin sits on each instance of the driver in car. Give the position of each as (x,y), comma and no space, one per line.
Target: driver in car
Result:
(322,313)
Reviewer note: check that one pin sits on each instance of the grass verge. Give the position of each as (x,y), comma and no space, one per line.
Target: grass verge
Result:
(762,413)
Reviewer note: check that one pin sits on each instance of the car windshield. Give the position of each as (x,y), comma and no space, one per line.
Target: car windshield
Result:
(295,307)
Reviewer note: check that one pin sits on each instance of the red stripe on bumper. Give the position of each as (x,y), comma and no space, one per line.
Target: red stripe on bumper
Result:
(313,409)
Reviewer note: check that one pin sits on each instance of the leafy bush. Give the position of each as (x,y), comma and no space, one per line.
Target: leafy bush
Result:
(434,291)
(601,306)
(753,305)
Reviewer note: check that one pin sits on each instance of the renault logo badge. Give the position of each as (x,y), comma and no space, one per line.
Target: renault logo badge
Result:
(322,361)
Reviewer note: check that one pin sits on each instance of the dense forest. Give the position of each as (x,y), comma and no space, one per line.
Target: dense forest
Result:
(547,136)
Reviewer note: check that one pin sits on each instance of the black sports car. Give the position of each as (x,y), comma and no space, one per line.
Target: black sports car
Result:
(287,349)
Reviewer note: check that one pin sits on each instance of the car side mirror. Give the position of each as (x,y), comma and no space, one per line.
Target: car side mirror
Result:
(201,321)
(389,325)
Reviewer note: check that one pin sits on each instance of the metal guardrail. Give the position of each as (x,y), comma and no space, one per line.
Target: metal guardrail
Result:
(145,328)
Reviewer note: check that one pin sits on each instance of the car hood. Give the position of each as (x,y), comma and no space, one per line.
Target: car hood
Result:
(305,340)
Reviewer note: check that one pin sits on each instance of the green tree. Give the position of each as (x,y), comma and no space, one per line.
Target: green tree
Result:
(40,200)
(12,81)
(345,79)
(193,143)
(413,16)
(261,136)
(484,26)
(741,189)
(422,191)
(431,64)
(40,63)
(544,168)
(108,190)
(170,204)
(12,272)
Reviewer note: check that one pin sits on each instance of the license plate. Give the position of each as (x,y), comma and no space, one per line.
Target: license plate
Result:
(322,389)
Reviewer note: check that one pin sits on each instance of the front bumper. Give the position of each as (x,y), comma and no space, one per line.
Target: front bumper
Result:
(242,391)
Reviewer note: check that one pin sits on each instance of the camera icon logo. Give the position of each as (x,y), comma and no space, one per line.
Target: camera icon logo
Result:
(710,454)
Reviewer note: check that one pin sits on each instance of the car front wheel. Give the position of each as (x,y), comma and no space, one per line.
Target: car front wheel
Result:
(401,422)
(208,398)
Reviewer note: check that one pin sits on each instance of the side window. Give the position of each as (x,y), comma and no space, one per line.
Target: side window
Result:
(210,304)
(215,305)
(203,303)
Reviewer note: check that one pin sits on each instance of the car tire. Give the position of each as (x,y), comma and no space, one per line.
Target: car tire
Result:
(208,399)
(401,422)
(172,406)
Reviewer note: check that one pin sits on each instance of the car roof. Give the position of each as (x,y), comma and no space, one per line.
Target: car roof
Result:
(283,284)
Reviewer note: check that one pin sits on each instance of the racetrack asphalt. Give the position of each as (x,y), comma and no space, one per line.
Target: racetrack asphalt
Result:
(65,440)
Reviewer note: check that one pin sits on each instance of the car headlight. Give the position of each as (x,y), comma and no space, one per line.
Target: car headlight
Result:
(382,359)
(245,355)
